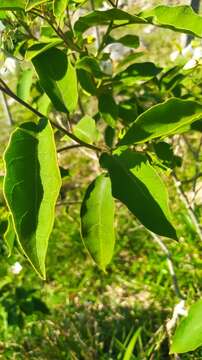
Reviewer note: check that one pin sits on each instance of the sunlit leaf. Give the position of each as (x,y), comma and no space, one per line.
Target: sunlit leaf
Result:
(24,84)
(86,129)
(136,184)
(179,18)
(12,4)
(58,78)
(33,3)
(97,221)
(10,235)
(31,187)
(59,7)
(40,47)
(170,117)
(188,335)
(104,18)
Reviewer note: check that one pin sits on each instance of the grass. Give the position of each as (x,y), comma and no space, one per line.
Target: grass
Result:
(80,313)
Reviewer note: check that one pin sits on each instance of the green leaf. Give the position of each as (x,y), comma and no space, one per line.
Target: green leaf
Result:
(128,111)
(138,72)
(12,4)
(87,81)
(10,235)
(126,40)
(43,104)
(40,47)
(31,187)
(188,335)
(131,345)
(105,17)
(97,221)
(179,18)
(33,3)
(170,117)
(165,153)
(71,88)
(24,84)
(3,14)
(86,130)
(137,185)
(58,78)
(59,7)
(109,136)
(108,108)
(91,65)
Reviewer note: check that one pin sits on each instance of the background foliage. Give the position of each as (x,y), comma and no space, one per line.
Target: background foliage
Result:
(79,312)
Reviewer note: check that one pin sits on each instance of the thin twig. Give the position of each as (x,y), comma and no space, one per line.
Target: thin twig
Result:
(9,92)
(7,110)
(171,269)
(96,27)
(185,201)
(69,147)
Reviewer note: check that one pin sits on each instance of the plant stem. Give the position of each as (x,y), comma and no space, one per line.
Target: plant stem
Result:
(57,30)
(9,92)
(185,201)
(7,110)
(171,269)
(69,147)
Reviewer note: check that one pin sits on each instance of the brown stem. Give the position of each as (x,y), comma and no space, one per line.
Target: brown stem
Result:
(9,92)
(69,147)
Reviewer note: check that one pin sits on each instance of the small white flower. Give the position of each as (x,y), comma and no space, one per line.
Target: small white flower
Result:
(174,55)
(116,51)
(9,66)
(148,29)
(188,50)
(197,53)
(105,6)
(106,67)
(190,64)
(16,268)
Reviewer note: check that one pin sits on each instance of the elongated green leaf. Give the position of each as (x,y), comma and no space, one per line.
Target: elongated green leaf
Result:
(59,7)
(87,81)
(43,104)
(33,3)
(105,17)
(91,65)
(12,4)
(97,217)
(138,72)
(136,184)
(24,84)
(170,117)
(86,129)
(179,18)
(131,345)
(126,40)
(10,235)
(108,108)
(3,14)
(39,47)
(188,335)
(71,89)
(31,187)
(58,78)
